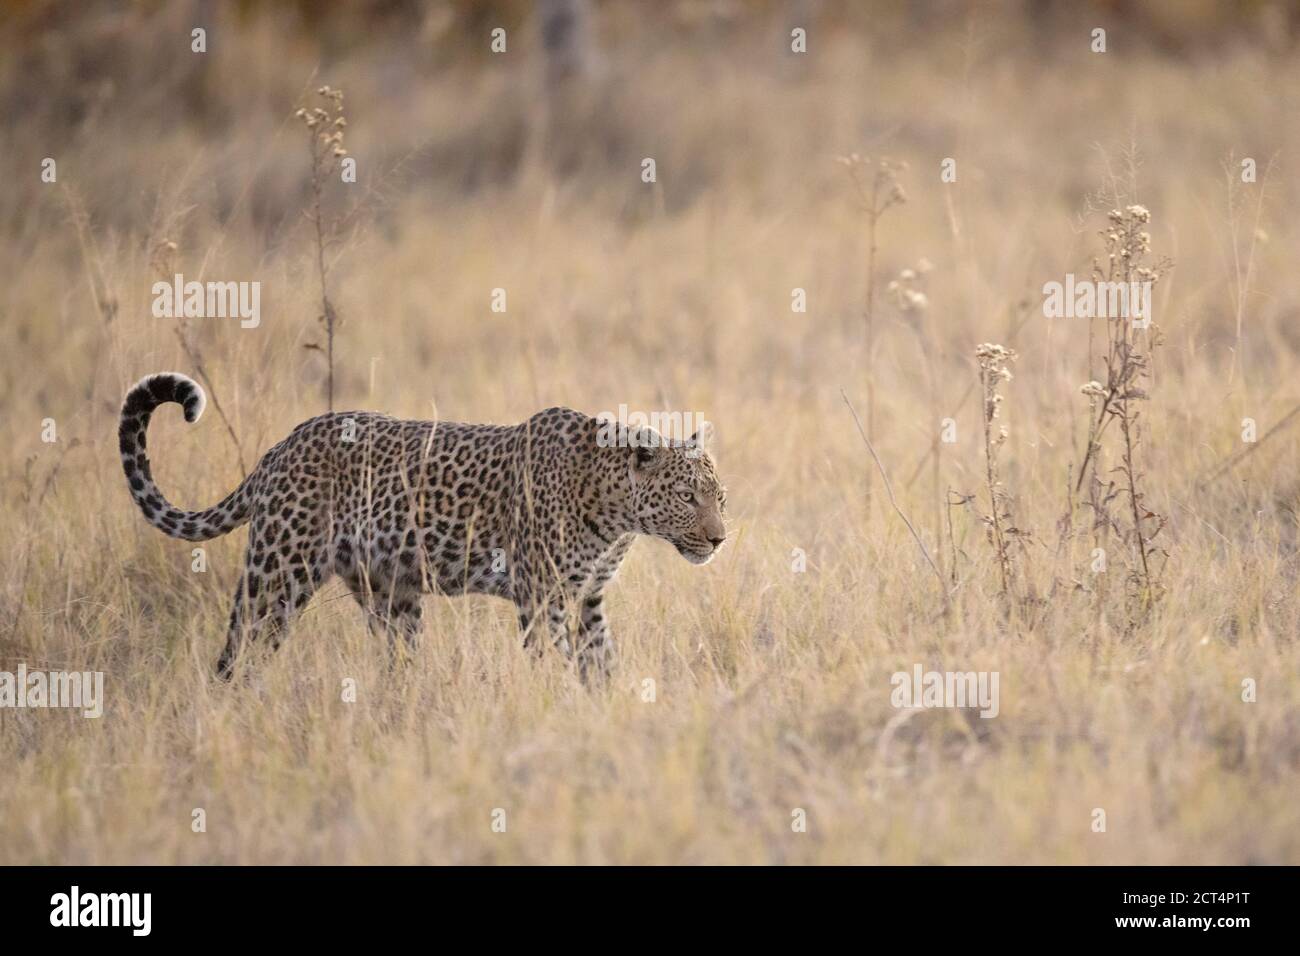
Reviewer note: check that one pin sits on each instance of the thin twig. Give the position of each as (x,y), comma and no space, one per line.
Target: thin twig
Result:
(1249,449)
(196,360)
(889,490)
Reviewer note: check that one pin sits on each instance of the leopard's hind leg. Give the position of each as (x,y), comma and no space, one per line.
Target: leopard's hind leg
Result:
(396,614)
(390,599)
(285,564)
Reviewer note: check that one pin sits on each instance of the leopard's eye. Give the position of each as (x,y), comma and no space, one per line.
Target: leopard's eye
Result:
(687,496)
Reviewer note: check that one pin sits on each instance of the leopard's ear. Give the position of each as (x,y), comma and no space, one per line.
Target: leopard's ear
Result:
(646,448)
(703,436)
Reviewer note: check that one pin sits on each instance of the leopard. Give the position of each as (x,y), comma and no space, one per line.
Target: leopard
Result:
(541,513)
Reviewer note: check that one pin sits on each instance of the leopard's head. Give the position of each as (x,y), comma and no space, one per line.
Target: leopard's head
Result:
(676,494)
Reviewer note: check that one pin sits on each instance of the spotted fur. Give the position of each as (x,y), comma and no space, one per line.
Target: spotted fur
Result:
(541,513)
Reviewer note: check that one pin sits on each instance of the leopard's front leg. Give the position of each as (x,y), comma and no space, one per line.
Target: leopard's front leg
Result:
(591,647)
(543,622)
(595,646)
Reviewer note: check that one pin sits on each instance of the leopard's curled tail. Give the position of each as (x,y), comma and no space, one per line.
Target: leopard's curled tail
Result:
(144,397)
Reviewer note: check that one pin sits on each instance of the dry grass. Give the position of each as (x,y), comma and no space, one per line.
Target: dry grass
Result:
(772,687)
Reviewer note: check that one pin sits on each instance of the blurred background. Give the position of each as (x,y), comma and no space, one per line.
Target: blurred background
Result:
(469,158)
(159,145)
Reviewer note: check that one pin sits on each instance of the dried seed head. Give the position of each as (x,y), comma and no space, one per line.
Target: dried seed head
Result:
(993,352)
